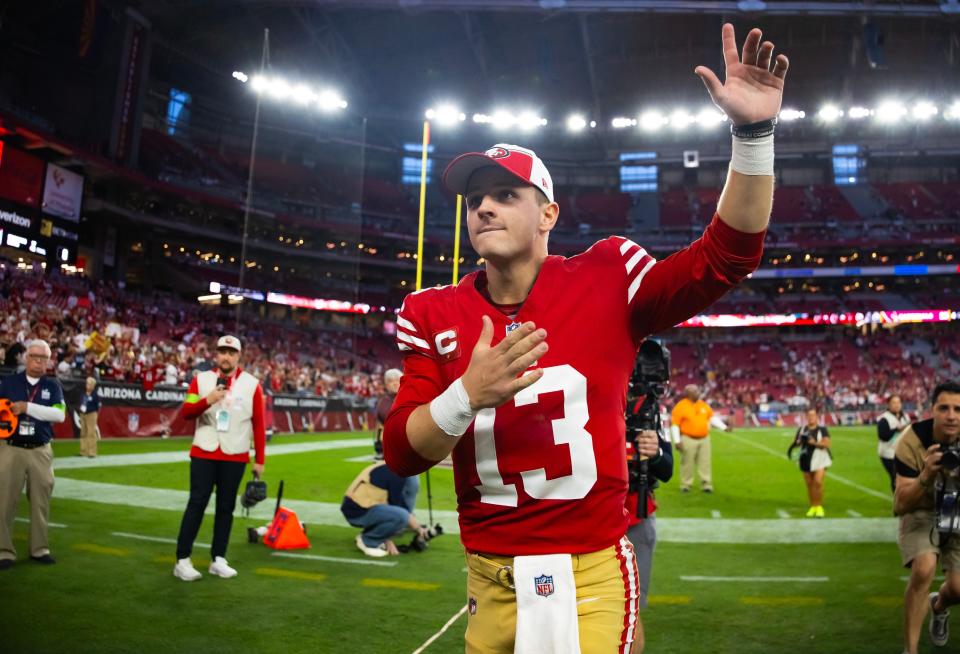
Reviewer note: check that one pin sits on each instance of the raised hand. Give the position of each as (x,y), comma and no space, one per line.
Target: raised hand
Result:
(753,88)
(493,376)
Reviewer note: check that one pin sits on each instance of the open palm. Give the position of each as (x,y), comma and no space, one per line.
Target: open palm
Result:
(752,90)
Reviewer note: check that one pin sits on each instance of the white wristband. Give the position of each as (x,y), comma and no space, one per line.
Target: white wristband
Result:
(753,156)
(451,410)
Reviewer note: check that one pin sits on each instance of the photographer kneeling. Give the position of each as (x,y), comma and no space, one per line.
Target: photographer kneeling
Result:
(813,439)
(926,499)
(381,502)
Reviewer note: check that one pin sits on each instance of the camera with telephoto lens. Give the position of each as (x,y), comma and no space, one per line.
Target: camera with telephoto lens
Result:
(951,455)
(419,543)
(650,375)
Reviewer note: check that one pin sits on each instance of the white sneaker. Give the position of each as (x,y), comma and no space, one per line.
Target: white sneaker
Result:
(220,568)
(939,624)
(185,570)
(375,552)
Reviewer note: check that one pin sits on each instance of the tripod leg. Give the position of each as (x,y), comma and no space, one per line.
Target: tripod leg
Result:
(429,501)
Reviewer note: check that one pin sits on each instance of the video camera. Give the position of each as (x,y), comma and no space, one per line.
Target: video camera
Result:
(650,375)
(419,543)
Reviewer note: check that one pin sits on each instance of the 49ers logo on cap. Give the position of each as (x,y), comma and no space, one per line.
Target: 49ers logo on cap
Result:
(498,153)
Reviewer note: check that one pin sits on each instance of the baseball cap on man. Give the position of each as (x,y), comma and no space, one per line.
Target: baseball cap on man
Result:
(231,342)
(522,163)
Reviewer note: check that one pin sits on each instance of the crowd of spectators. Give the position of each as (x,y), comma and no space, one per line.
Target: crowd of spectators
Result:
(103,330)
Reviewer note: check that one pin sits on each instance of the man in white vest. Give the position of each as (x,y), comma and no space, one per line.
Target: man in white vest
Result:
(228,406)
(889,427)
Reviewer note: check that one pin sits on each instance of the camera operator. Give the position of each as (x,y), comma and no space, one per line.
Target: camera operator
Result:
(642,532)
(813,439)
(928,483)
(889,427)
(649,454)
(381,502)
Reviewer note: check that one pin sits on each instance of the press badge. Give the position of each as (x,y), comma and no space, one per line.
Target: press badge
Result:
(223,420)
(27,428)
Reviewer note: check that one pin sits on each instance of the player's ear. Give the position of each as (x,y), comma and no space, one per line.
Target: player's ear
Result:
(549,214)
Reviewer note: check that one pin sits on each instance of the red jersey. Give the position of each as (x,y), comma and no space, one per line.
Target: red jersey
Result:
(546,472)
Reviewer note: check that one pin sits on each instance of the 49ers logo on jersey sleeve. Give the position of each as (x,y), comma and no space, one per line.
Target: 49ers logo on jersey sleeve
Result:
(447,343)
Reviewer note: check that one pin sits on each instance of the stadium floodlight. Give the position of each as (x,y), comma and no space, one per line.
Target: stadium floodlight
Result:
(953,111)
(576,123)
(923,111)
(445,114)
(258,83)
(652,121)
(680,119)
(593,124)
(329,100)
(301,94)
(502,119)
(239,76)
(481,119)
(858,113)
(620,122)
(279,88)
(789,115)
(710,117)
(830,113)
(528,120)
(890,112)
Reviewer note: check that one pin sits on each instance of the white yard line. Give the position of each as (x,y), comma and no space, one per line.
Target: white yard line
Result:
(800,580)
(182,456)
(764,532)
(716,515)
(153,539)
(335,559)
(783,515)
(49,524)
(442,631)
(832,475)
(854,514)
(316,513)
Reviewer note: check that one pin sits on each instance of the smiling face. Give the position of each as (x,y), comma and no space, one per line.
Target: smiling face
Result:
(507,219)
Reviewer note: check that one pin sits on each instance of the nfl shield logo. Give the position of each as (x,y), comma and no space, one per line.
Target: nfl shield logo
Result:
(512,326)
(133,422)
(544,585)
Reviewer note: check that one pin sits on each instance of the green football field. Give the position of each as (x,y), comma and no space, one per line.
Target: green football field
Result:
(737,571)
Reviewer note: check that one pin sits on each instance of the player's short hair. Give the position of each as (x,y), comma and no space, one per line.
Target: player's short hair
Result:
(950,386)
(91,379)
(542,198)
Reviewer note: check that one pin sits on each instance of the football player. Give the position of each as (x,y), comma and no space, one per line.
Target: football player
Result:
(520,371)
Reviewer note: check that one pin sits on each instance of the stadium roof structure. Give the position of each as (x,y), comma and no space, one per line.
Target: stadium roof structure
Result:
(392,59)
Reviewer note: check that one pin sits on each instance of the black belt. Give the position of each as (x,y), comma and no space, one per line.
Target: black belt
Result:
(26,446)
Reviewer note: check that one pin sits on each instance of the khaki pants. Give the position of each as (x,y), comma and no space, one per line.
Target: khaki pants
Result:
(88,434)
(35,467)
(695,454)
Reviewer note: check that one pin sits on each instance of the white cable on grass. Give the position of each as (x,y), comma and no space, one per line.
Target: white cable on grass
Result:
(442,630)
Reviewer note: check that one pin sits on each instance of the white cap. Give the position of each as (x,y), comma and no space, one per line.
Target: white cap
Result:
(229,341)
